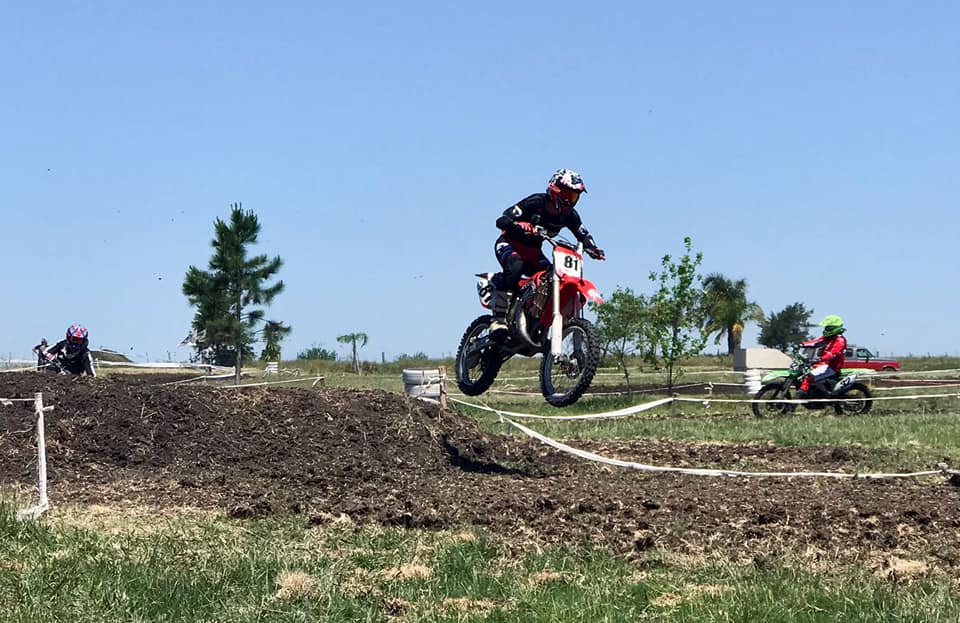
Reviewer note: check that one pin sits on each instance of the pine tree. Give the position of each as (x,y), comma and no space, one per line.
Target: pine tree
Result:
(273,334)
(228,294)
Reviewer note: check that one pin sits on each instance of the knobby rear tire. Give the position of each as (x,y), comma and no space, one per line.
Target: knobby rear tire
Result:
(857,391)
(475,379)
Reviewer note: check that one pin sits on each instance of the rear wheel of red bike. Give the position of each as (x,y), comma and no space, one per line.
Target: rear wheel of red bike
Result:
(478,358)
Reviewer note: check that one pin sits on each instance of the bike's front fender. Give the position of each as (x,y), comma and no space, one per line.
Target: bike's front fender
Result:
(572,294)
(774,376)
(584,287)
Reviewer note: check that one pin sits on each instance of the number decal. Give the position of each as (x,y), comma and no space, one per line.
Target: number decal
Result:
(567,263)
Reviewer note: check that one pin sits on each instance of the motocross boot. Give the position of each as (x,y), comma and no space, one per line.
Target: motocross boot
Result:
(499,304)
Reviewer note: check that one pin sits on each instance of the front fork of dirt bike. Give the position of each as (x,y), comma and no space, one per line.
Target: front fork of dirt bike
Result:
(556,329)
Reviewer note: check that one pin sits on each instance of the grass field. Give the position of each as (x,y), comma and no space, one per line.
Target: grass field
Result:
(129,564)
(111,565)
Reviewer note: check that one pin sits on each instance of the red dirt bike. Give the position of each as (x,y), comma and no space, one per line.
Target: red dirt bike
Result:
(544,318)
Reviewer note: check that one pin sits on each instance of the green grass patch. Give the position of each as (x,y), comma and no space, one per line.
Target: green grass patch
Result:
(204,568)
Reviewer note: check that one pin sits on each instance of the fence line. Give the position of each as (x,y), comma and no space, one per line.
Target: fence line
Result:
(692,471)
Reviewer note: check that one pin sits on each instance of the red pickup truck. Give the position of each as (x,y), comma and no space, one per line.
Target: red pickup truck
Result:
(860,357)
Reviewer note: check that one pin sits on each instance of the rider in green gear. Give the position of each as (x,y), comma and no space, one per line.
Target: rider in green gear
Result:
(830,346)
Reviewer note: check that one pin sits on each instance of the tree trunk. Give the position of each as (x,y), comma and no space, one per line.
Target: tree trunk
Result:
(734,337)
(238,365)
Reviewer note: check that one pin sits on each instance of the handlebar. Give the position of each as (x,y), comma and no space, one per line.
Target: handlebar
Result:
(556,241)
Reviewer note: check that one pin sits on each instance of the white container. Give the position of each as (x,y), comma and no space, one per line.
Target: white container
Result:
(423,383)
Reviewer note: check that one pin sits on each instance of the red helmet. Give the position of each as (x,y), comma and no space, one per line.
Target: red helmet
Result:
(565,187)
(77,333)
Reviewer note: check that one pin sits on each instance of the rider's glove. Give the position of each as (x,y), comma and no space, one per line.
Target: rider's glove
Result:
(527,228)
(596,253)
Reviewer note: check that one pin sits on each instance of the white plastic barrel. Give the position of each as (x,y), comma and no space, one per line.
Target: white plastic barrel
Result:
(423,383)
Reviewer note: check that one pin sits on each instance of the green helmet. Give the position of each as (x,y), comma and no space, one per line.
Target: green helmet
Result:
(832,325)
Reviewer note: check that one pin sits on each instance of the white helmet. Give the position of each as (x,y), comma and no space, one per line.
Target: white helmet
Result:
(565,187)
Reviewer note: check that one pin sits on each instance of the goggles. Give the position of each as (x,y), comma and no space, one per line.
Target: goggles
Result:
(569,197)
(74,339)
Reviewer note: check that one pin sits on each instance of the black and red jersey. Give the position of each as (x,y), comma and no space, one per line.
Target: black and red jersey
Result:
(539,209)
(74,358)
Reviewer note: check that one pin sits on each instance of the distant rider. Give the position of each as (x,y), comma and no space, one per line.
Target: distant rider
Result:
(518,249)
(40,350)
(830,346)
(73,353)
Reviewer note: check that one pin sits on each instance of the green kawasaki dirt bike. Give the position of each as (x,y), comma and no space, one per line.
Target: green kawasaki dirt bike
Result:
(854,397)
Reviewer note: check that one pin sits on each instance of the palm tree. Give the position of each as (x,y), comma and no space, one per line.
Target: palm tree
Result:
(726,309)
(352,339)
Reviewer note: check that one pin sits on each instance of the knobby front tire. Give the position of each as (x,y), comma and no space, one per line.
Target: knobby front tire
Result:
(773,391)
(563,382)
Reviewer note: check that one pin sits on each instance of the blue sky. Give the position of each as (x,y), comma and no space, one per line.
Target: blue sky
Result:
(810,148)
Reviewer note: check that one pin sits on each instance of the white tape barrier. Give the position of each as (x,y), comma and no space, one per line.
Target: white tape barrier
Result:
(594,416)
(315,379)
(163,364)
(916,372)
(706,401)
(937,385)
(590,456)
(27,369)
(43,503)
(803,400)
(636,375)
(534,378)
(201,378)
(706,385)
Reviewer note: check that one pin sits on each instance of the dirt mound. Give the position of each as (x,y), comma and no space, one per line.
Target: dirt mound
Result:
(381,457)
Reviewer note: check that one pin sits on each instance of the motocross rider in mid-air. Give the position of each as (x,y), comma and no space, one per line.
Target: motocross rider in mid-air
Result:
(518,249)
(73,352)
(830,346)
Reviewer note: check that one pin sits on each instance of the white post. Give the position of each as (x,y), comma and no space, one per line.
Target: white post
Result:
(41,454)
(43,503)
(443,387)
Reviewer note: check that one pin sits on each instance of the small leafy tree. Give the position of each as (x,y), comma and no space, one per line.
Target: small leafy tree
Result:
(317,352)
(675,311)
(786,328)
(623,323)
(726,309)
(228,294)
(353,339)
(273,334)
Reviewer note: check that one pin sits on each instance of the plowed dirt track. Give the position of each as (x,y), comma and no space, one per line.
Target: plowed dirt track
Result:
(380,457)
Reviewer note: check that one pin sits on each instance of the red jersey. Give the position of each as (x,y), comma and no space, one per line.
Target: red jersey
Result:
(830,350)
